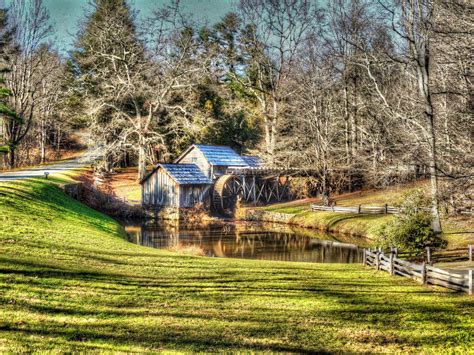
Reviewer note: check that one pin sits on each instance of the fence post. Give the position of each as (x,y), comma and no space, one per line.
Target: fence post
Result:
(471,282)
(396,252)
(424,278)
(358,210)
(428,255)
(386,208)
(377,259)
(391,263)
(364,260)
(470,253)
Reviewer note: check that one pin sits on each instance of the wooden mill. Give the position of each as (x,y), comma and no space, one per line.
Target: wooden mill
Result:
(216,177)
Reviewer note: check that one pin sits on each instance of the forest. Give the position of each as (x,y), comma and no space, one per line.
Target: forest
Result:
(380,89)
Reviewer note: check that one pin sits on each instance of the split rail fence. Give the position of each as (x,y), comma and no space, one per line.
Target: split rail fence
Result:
(424,273)
(432,255)
(360,209)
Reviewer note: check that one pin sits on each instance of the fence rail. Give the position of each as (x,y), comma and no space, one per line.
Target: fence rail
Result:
(360,209)
(424,273)
(432,255)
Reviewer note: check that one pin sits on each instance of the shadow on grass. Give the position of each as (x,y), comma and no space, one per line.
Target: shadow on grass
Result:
(189,311)
(101,293)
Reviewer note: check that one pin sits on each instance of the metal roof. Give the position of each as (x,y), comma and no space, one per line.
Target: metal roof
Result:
(186,174)
(183,174)
(252,161)
(221,155)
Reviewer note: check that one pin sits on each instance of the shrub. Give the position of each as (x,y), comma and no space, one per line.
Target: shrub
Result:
(411,229)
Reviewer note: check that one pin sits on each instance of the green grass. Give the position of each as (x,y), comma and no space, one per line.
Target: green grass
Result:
(455,229)
(70,282)
(362,225)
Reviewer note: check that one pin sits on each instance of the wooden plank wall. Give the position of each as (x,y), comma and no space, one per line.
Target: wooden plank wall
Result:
(160,190)
(196,157)
(192,195)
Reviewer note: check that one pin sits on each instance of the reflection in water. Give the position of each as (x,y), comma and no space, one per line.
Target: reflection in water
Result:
(247,241)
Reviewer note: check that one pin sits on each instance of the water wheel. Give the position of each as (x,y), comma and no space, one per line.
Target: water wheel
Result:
(228,189)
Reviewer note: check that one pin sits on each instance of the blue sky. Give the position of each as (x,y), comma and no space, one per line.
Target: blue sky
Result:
(66,14)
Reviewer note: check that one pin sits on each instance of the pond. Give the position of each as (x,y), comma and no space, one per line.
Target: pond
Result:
(249,241)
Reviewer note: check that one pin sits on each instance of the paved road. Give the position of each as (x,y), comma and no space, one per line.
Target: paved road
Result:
(86,159)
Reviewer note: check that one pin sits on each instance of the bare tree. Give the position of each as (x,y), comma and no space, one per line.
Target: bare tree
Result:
(132,89)
(30,24)
(47,102)
(275,31)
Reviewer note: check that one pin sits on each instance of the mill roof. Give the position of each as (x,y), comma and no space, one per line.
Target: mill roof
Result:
(252,161)
(183,174)
(217,155)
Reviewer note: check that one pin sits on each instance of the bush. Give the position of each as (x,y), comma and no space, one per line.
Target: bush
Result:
(411,229)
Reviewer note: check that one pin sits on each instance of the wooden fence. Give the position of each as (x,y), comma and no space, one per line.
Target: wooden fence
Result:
(424,273)
(360,209)
(432,255)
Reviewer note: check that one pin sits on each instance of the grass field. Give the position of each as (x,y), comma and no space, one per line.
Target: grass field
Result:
(458,231)
(125,185)
(70,282)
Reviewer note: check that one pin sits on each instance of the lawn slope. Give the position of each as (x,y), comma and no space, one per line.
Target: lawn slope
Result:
(70,282)
(458,230)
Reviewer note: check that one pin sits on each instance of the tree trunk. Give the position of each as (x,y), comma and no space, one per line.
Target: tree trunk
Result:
(141,157)
(354,120)
(347,127)
(424,87)
(273,131)
(273,134)
(43,142)
(267,133)
(418,25)
(58,139)
(436,220)
(11,158)
(325,186)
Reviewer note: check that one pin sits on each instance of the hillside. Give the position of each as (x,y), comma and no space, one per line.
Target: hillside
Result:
(458,230)
(70,282)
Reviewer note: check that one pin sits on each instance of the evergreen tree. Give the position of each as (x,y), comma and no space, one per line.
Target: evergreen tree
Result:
(114,76)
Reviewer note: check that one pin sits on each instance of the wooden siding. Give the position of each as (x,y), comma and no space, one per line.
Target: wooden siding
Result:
(160,190)
(196,157)
(192,195)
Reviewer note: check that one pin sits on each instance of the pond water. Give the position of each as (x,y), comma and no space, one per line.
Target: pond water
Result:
(249,241)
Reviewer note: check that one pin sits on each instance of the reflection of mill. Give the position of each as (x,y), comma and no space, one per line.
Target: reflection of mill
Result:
(255,243)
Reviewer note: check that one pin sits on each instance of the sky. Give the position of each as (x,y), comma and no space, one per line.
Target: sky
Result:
(66,14)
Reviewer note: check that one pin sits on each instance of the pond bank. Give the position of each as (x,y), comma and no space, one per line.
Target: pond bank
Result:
(458,230)
(329,222)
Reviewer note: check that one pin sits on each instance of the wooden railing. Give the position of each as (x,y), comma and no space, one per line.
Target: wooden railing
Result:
(386,209)
(424,273)
(431,255)
(360,209)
